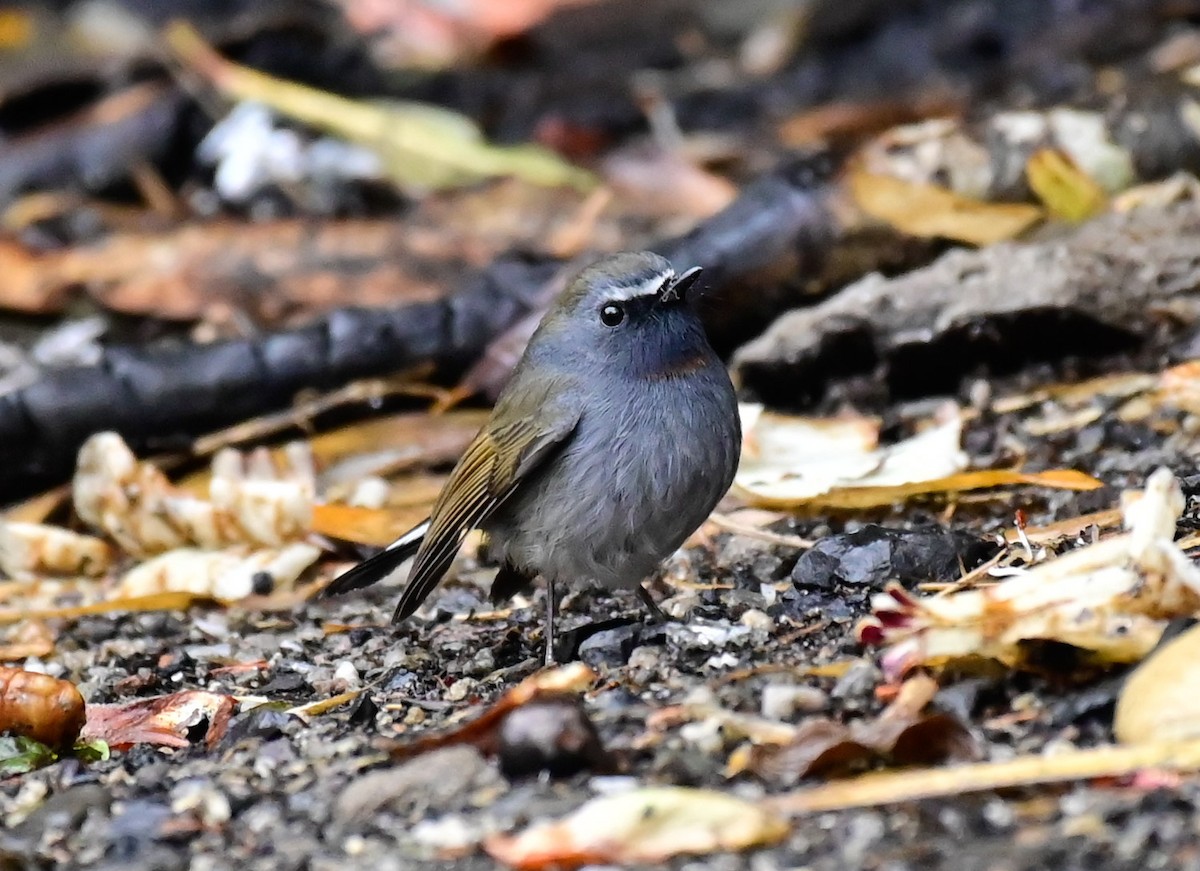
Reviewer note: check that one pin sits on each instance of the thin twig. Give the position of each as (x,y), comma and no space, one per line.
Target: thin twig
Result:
(727,523)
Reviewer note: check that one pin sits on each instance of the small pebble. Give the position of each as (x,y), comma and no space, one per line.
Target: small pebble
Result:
(721,661)
(999,814)
(645,657)
(210,804)
(681,604)
(484,663)
(611,784)
(346,671)
(781,701)
(461,689)
(756,619)
(704,735)
(448,833)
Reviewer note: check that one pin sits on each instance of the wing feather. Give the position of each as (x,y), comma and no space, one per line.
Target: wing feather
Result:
(491,468)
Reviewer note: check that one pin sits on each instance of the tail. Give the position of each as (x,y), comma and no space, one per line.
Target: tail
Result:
(381,565)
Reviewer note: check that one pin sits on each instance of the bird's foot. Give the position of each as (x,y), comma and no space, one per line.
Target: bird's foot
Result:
(657,614)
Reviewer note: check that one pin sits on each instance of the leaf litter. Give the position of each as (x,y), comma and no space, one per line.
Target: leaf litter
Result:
(255,499)
(283,710)
(1109,600)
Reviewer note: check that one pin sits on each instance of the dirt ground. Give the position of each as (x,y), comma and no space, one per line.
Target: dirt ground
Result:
(277,792)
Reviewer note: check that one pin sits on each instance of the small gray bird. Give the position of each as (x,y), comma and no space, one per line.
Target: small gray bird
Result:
(613,440)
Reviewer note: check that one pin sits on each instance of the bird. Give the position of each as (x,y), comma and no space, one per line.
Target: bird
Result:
(613,440)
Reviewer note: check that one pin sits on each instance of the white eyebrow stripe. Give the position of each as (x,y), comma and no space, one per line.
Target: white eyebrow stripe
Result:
(650,287)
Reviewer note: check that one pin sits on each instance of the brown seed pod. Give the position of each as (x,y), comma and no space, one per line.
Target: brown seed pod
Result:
(40,707)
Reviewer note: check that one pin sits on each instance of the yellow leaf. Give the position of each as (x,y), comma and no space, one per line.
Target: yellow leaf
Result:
(643,826)
(934,212)
(324,706)
(169,601)
(983,479)
(872,790)
(377,526)
(37,509)
(421,147)
(1161,699)
(17,29)
(1066,190)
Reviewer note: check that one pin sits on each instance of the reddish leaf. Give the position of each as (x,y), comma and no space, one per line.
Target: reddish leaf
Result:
(164,720)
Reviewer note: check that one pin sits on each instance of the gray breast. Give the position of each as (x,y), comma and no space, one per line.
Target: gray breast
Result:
(645,468)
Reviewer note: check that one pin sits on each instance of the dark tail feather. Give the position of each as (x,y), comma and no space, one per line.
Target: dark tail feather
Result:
(381,565)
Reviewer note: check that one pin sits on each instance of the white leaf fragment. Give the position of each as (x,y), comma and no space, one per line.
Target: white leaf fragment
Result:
(791,459)
(225,575)
(34,549)
(250,501)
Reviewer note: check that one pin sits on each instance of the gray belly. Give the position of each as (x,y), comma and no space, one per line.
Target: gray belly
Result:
(641,473)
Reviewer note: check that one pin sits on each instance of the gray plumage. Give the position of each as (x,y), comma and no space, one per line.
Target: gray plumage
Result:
(615,437)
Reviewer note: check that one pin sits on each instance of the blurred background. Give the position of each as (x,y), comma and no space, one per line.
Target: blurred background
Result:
(176,176)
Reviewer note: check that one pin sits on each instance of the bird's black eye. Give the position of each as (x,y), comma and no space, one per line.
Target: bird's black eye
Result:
(612,314)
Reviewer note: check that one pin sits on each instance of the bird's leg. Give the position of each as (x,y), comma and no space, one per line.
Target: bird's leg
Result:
(549,633)
(656,613)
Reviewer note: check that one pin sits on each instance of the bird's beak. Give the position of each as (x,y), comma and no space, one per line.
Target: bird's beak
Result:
(676,291)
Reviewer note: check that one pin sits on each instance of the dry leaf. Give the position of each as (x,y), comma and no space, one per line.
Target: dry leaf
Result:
(659,181)
(1161,699)
(1071,527)
(983,479)
(787,461)
(422,147)
(192,270)
(376,446)
(36,549)
(642,826)
(794,462)
(962,154)
(31,638)
(483,731)
(40,707)
(900,735)
(1066,191)
(323,706)
(156,602)
(377,526)
(871,790)
(251,500)
(852,122)
(37,509)
(929,211)
(1109,599)
(1181,187)
(1074,394)
(225,575)
(164,720)
(702,705)
(1176,388)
